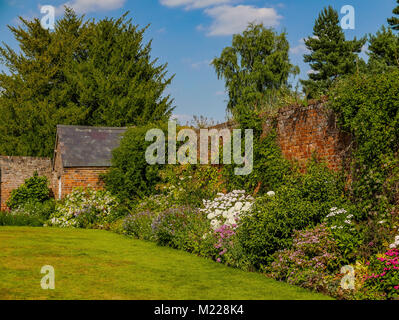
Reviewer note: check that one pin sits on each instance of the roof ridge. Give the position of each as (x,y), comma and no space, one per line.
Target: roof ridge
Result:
(90,127)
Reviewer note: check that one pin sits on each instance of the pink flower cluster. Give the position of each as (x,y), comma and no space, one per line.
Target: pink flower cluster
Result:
(390,263)
(224,233)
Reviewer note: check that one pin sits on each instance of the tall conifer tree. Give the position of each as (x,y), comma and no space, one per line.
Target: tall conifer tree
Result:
(394,21)
(331,55)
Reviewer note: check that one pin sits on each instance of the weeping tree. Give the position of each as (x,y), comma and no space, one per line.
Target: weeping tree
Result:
(89,72)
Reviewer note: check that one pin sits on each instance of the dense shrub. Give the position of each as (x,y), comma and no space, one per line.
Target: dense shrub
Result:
(269,167)
(138,225)
(189,184)
(313,257)
(383,275)
(184,228)
(20,218)
(34,189)
(130,176)
(301,202)
(346,233)
(368,107)
(85,208)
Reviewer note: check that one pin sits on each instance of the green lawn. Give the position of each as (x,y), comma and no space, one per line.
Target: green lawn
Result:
(93,264)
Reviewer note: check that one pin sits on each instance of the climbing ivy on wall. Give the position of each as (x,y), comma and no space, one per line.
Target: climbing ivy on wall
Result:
(368,107)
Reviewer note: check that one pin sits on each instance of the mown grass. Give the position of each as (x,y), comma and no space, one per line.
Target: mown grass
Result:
(93,264)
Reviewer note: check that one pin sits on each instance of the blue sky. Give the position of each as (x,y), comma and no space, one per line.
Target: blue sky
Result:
(188,34)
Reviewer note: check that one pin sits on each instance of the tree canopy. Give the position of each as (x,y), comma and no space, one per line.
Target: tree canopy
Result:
(331,55)
(256,62)
(394,21)
(91,72)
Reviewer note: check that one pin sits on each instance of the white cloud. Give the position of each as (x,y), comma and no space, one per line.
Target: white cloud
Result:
(300,48)
(85,6)
(229,20)
(193,4)
(199,64)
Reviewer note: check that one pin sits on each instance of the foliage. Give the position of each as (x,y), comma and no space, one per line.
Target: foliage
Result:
(156,203)
(190,184)
(130,176)
(20,218)
(138,225)
(302,201)
(314,255)
(183,228)
(269,166)
(346,233)
(85,208)
(394,21)
(257,61)
(82,73)
(331,56)
(383,51)
(383,276)
(34,189)
(368,107)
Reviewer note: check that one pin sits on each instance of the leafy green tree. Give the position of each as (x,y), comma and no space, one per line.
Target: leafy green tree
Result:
(384,51)
(331,55)
(394,21)
(130,176)
(255,63)
(82,73)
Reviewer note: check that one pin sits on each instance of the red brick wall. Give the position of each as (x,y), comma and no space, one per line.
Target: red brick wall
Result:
(71,178)
(304,130)
(80,177)
(14,171)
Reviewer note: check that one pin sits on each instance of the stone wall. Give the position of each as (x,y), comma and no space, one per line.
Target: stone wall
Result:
(14,171)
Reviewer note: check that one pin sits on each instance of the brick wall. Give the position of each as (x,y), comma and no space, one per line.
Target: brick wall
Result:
(66,179)
(14,171)
(79,177)
(311,129)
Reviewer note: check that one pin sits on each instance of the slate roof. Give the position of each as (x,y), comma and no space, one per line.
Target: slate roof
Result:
(82,146)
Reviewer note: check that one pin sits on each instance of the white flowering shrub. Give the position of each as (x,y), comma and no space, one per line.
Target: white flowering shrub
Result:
(84,208)
(227,209)
(395,244)
(339,219)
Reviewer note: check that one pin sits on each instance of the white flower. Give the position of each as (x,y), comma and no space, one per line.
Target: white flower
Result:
(271,193)
(392,246)
(238,206)
(246,206)
(215,224)
(211,216)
